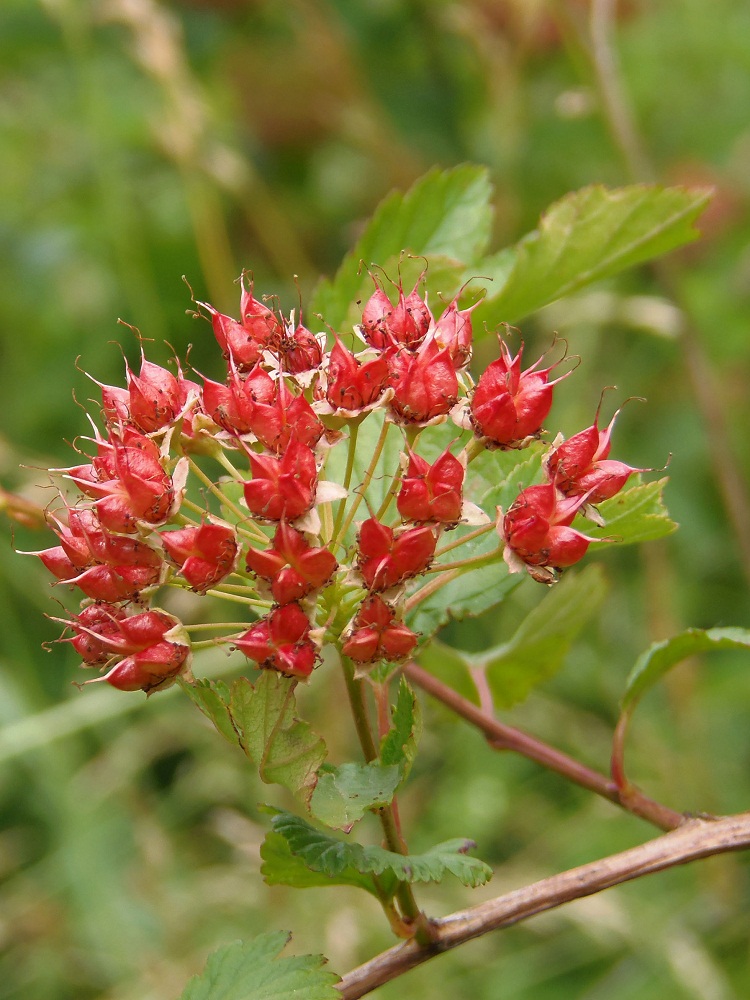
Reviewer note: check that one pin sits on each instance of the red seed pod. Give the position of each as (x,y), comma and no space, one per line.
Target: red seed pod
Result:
(453,331)
(154,397)
(580,465)
(206,554)
(150,669)
(377,634)
(153,646)
(386,559)
(92,627)
(509,406)
(282,488)
(104,566)
(292,566)
(425,386)
(238,344)
(406,324)
(300,350)
(110,584)
(432,493)
(243,343)
(263,325)
(287,418)
(115,404)
(127,482)
(355,385)
(281,642)
(537,532)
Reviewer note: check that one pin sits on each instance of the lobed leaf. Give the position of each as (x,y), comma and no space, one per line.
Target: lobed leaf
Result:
(589,235)
(252,970)
(323,853)
(286,751)
(446,213)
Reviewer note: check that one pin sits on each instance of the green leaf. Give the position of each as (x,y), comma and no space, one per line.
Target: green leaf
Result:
(399,745)
(323,853)
(539,646)
(286,751)
(445,214)
(659,658)
(636,515)
(252,970)
(588,235)
(281,867)
(212,698)
(342,796)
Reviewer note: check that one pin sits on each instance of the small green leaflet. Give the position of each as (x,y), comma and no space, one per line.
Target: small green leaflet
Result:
(344,794)
(655,662)
(399,745)
(252,970)
(589,235)
(446,213)
(659,658)
(323,853)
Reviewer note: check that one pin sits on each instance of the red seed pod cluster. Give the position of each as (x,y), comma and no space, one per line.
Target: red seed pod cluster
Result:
(265,528)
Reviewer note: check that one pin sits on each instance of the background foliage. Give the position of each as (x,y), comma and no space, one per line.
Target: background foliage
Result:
(144,140)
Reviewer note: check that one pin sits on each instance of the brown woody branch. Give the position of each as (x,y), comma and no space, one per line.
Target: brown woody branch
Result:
(696,838)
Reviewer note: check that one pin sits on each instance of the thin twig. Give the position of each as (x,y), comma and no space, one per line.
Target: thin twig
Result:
(503,737)
(695,839)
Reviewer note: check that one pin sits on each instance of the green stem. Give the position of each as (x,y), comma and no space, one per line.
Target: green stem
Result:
(392,490)
(473,449)
(359,496)
(205,626)
(394,841)
(222,458)
(475,561)
(424,592)
(477,533)
(243,516)
(354,431)
(237,598)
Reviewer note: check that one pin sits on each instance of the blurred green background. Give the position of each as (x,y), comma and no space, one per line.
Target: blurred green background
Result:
(141,141)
